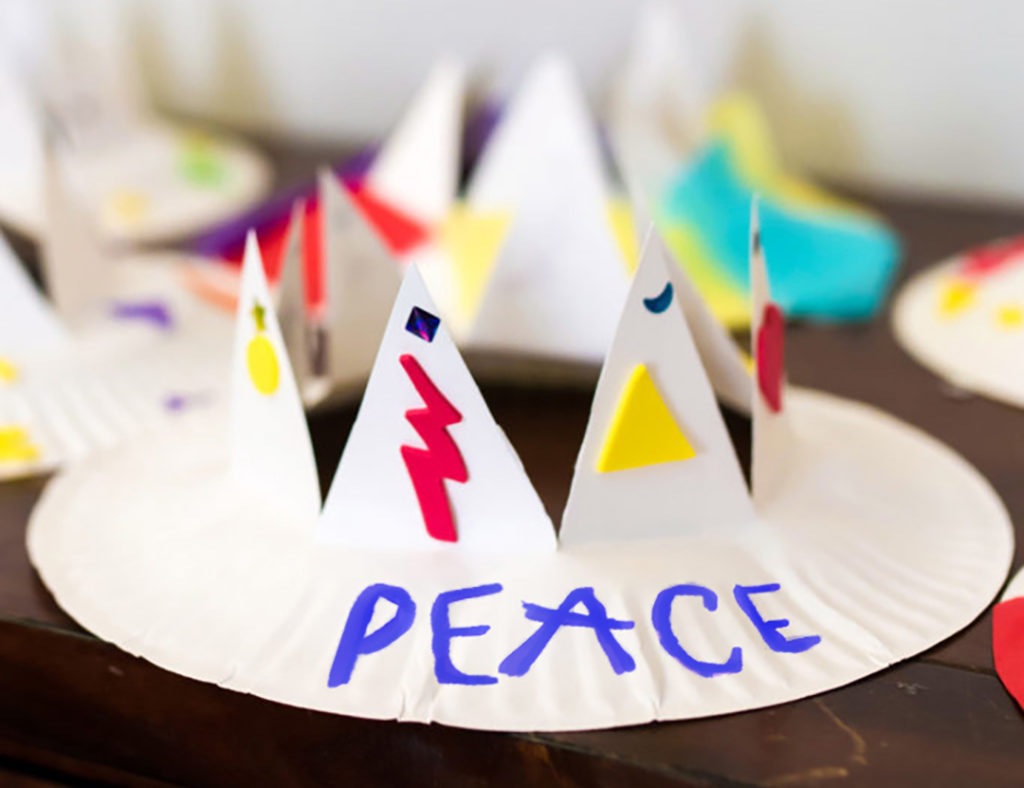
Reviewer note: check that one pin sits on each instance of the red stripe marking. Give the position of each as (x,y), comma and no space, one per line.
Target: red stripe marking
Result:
(439,459)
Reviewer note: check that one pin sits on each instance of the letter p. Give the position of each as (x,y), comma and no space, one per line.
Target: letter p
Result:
(356,641)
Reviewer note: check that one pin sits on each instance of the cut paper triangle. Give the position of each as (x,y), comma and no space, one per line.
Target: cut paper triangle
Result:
(769,419)
(401,232)
(77,272)
(361,280)
(721,356)
(21,153)
(546,130)
(660,498)
(426,466)
(737,119)
(271,451)
(28,323)
(290,295)
(656,107)
(643,431)
(560,277)
(417,170)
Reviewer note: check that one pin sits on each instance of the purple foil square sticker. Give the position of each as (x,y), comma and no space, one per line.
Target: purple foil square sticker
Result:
(422,324)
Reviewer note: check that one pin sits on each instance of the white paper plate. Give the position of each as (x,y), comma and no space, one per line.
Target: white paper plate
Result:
(888,544)
(140,189)
(970,347)
(119,377)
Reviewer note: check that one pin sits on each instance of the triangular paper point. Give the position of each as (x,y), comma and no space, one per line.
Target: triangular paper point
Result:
(291,292)
(425,465)
(560,236)
(654,411)
(360,279)
(770,430)
(643,431)
(28,322)
(416,172)
(76,268)
(271,448)
(656,106)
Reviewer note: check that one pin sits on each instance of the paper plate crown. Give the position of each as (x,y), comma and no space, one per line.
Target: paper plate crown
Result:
(431,585)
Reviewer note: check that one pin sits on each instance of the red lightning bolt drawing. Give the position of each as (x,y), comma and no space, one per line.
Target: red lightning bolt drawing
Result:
(440,460)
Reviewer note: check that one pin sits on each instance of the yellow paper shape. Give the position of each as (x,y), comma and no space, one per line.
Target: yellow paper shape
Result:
(1010,316)
(643,431)
(471,240)
(264,371)
(739,120)
(127,207)
(8,371)
(15,445)
(727,301)
(620,217)
(956,296)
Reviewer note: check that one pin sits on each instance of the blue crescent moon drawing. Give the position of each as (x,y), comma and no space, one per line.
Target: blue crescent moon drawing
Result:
(660,302)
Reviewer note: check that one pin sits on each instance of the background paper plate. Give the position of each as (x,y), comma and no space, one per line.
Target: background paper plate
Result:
(889,544)
(119,376)
(159,184)
(966,323)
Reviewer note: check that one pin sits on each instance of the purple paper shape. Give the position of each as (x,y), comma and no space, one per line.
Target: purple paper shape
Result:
(228,238)
(478,129)
(177,402)
(152,311)
(355,168)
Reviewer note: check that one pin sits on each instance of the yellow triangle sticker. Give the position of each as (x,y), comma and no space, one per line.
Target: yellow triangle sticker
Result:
(472,241)
(643,430)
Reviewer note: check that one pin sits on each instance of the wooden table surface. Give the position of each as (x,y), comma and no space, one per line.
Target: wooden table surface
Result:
(72,706)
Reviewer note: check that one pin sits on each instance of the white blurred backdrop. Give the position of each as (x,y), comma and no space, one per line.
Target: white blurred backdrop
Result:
(912,95)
